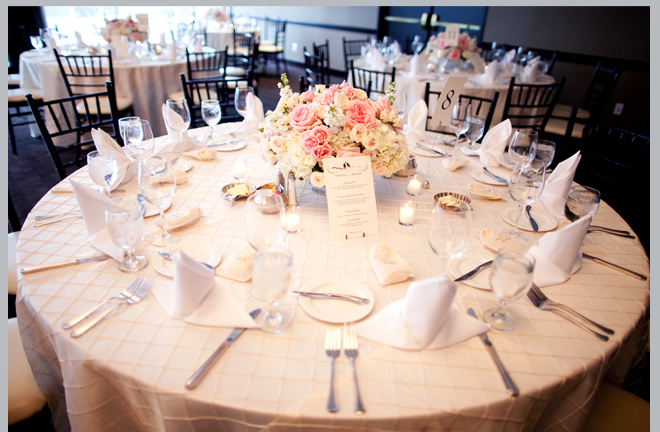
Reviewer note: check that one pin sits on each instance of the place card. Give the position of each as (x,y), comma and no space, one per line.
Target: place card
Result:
(143,22)
(349,185)
(447,100)
(451,35)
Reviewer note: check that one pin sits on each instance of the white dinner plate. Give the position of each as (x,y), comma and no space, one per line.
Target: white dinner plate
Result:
(485,178)
(196,250)
(468,262)
(152,210)
(545,221)
(229,147)
(336,310)
(416,150)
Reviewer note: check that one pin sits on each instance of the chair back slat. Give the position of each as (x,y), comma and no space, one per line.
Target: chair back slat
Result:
(352,51)
(82,72)
(380,81)
(206,64)
(530,105)
(323,52)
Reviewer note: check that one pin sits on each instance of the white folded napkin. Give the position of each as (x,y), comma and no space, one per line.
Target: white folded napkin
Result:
(492,148)
(105,145)
(50,42)
(530,74)
(425,319)
(205,154)
(92,206)
(559,253)
(454,163)
(181,217)
(175,139)
(79,42)
(415,127)
(418,67)
(389,266)
(195,296)
(470,152)
(509,56)
(558,185)
(238,266)
(198,46)
(490,76)
(254,115)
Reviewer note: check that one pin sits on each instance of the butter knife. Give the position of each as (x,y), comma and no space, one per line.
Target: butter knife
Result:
(615,266)
(535,226)
(496,177)
(337,296)
(29,270)
(511,387)
(203,369)
(429,149)
(473,273)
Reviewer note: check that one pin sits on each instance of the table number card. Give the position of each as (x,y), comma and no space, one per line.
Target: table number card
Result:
(451,35)
(143,22)
(447,100)
(349,185)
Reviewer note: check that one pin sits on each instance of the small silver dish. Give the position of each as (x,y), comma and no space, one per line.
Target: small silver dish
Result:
(251,189)
(462,200)
(408,168)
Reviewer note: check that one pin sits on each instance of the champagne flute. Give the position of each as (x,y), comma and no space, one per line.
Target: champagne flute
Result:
(523,145)
(450,232)
(126,228)
(476,130)
(211,114)
(263,219)
(103,169)
(240,99)
(139,141)
(459,121)
(545,150)
(178,119)
(525,187)
(510,277)
(272,274)
(580,202)
(157,183)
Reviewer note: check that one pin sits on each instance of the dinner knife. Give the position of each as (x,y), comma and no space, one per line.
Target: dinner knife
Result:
(29,270)
(496,177)
(511,387)
(535,226)
(429,149)
(615,266)
(337,296)
(223,143)
(199,374)
(473,273)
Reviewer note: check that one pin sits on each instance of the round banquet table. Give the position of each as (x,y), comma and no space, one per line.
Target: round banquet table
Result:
(128,372)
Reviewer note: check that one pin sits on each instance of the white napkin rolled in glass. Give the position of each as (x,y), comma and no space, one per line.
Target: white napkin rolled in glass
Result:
(530,74)
(389,266)
(559,254)
(254,114)
(492,148)
(195,296)
(79,42)
(415,127)
(490,77)
(558,185)
(424,319)
(92,206)
(105,145)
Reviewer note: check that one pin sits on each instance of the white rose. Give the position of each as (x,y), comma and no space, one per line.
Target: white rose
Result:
(397,123)
(276,143)
(358,133)
(386,116)
(320,88)
(360,94)
(292,101)
(371,141)
(341,101)
(317,179)
(270,157)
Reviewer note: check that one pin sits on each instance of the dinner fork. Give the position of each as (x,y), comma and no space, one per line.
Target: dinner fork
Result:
(549,302)
(332,349)
(136,297)
(121,296)
(536,301)
(351,351)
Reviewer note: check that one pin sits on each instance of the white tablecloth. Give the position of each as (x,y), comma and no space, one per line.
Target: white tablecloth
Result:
(128,372)
(220,39)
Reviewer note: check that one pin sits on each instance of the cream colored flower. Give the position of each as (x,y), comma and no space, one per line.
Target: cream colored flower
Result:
(360,94)
(387,116)
(341,101)
(317,179)
(358,133)
(371,141)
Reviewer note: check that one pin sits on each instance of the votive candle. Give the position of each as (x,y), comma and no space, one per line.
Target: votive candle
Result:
(240,170)
(414,185)
(407,213)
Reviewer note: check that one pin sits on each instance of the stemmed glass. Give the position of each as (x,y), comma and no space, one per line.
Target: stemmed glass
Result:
(240,99)
(272,274)
(178,119)
(545,150)
(523,144)
(510,277)
(126,227)
(138,138)
(102,169)
(417,45)
(211,114)
(451,231)
(157,182)
(476,129)
(580,201)
(459,121)
(36,42)
(264,219)
(525,187)
(401,105)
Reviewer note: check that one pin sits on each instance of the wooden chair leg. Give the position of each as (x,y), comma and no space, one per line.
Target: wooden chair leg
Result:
(11,135)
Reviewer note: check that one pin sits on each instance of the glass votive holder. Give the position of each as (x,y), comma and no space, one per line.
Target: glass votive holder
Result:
(240,169)
(414,187)
(407,212)
(292,219)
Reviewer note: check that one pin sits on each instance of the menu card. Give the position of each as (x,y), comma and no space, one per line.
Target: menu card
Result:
(349,185)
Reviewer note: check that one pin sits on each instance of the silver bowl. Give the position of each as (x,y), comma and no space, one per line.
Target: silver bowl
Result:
(463,201)
(251,189)
(408,168)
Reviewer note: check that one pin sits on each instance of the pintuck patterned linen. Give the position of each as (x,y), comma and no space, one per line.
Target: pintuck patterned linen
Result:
(128,372)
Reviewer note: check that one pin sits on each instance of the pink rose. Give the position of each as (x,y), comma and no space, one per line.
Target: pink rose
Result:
(308,141)
(382,105)
(348,152)
(334,89)
(308,96)
(360,112)
(463,42)
(327,98)
(304,116)
(321,152)
(267,134)
(454,54)
(347,90)
(322,134)
(442,43)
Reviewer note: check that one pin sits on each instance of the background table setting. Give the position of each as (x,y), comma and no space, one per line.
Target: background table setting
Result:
(401,353)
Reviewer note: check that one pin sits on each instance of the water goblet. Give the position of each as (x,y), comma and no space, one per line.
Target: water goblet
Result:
(263,219)
(525,186)
(36,42)
(240,99)
(126,228)
(123,123)
(157,182)
(272,275)
(102,169)
(450,231)
(545,150)
(459,121)
(523,145)
(417,45)
(510,277)
(211,114)
(401,105)
(580,202)
(476,129)
(139,141)
(178,119)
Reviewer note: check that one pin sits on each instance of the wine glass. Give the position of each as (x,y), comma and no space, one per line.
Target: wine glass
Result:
(525,187)
(417,45)
(211,114)
(476,129)
(459,121)
(263,219)
(451,231)
(580,201)
(545,150)
(36,42)
(103,169)
(401,105)
(178,119)
(157,183)
(240,99)
(272,274)
(510,277)
(523,144)
(126,228)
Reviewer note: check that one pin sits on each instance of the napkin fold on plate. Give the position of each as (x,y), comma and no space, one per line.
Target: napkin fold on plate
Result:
(254,114)
(205,154)
(418,67)
(558,185)
(424,319)
(509,56)
(105,144)
(181,217)
(492,148)
(454,163)
(195,296)
(92,206)
(238,266)
(376,59)
(559,254)
(490,77)
(389,266)
(415,127)
(530,74)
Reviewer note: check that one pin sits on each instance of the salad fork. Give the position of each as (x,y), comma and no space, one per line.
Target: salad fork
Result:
(332,349)
(351,351)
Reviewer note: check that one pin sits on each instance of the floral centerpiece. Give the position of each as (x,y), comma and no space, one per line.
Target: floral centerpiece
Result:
(215,15)
(116,28)
(436,48)
(327,122)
